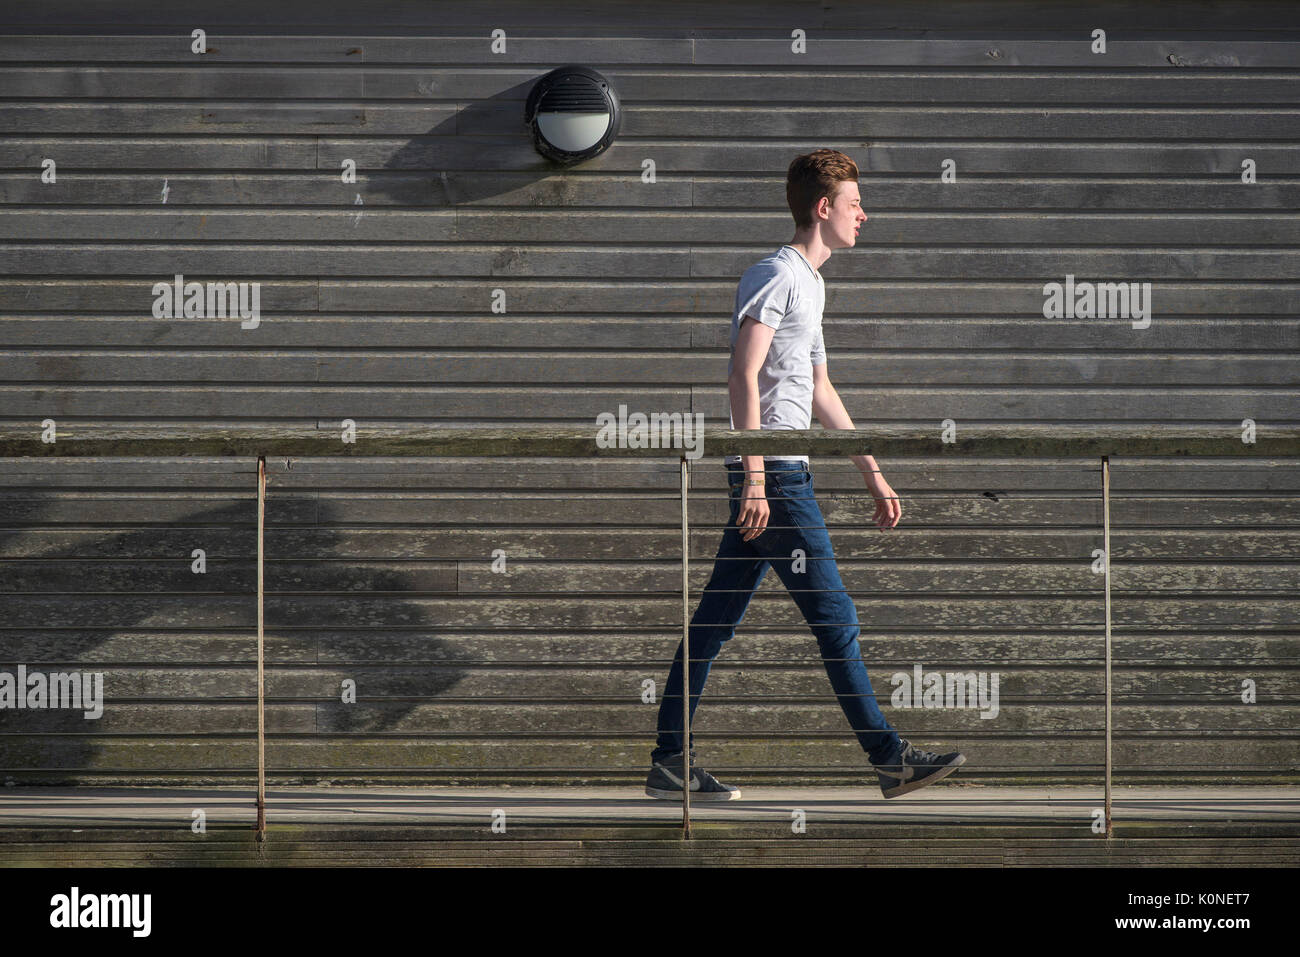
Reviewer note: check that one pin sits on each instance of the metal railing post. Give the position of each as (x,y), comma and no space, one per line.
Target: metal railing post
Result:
(686,663)
(1105,548)
(261,643)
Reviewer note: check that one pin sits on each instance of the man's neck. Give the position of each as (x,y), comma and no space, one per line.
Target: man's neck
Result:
(812,248)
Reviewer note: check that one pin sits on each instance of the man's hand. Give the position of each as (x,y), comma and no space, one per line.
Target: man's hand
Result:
(888,508)
(830,410)
(754,511)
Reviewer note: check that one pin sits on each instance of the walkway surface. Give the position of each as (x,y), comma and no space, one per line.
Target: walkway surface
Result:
(63,807)
(950,825)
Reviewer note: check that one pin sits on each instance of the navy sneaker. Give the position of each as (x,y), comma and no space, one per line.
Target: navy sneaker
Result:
(665,782)
(914,768)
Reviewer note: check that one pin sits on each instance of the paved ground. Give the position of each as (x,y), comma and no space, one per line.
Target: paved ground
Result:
(613,806)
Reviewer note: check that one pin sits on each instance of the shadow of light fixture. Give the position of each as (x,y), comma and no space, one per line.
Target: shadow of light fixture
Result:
(573,114)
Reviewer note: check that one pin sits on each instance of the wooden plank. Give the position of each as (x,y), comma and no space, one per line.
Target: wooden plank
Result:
(554,301)
(375,409)
(418,188)
(1002,51)
(239,263)
(500,152)
(845,511)
(978,263)
(604,612)
(866,83)
(116,512)
(514,152)
(412,331)
(619,684)
(381,411)
(649,649)
(864,579)
(230,119)
(460,261)
(857,83)
(760,192)
(384,17)
(194,81)
(383,439)
(734,689)
(723,48)
(70,367)
(181,718)
(577,226)
(433,48)
(48,474)
(851,338)
(1077,476)
(160,645)
(759,719)
(70,576)
(1007,192)
(845,296)
(163,154)
(1166,125)
(1013,403)
(802,758)
(491,510)
(1080,124)
(578,544)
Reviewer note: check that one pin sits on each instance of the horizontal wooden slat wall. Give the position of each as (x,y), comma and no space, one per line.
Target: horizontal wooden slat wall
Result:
(377,302)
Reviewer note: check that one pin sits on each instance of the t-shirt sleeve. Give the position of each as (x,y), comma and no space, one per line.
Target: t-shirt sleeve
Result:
(818,352)
(766,293)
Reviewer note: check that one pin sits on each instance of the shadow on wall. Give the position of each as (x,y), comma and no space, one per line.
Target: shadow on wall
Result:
(87,591)
(481,152)
(113,591)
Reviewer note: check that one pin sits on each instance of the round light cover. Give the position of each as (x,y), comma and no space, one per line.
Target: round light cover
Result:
(572,113)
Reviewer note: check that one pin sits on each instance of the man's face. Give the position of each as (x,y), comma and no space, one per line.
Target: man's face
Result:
(845,216)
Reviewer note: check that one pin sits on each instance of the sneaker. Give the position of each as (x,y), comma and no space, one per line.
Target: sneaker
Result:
(665,782)
(915,768)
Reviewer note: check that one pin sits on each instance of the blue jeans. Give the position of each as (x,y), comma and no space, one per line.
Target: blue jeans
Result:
(814,583)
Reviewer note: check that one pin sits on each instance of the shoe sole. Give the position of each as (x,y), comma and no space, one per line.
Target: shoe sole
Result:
(697,797)
(925,781)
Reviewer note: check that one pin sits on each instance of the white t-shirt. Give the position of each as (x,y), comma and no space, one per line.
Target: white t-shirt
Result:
(785,292)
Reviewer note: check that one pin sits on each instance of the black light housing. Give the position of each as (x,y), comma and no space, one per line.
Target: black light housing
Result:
(573,114)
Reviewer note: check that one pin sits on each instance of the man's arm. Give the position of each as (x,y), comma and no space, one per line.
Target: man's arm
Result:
(752,343)
(829,409)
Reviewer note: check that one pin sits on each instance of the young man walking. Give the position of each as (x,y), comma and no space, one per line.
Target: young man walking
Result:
(776,379)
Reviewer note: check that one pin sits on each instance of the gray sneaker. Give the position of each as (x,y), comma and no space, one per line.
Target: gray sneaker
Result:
(665,782)
(915,768)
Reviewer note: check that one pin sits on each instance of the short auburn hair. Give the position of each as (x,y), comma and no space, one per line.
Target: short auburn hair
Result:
(813,176)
